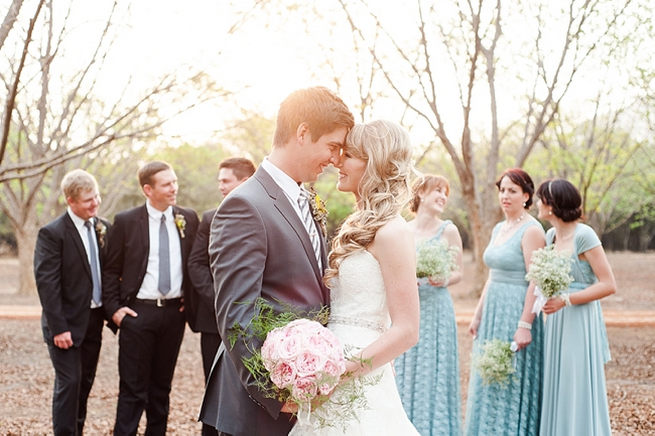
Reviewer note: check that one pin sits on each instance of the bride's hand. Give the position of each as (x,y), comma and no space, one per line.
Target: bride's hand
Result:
(289,407)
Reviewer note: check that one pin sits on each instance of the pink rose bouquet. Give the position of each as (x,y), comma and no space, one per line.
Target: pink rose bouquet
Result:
(299,360)
(304,360)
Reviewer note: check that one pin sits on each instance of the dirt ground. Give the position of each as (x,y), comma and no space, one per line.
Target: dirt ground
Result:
(26,374)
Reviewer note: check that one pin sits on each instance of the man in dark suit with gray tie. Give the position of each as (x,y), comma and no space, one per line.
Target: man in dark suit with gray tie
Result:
(67,267)
(144,282)
(264,243)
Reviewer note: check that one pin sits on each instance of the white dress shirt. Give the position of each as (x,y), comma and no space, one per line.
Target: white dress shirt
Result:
(291,189)
(81,229)
(149,288)
(289,186)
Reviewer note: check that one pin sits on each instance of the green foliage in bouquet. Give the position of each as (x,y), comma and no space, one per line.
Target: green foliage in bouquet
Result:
(435,259)
(494,362)
(265,320)
(336,410)
(550,270)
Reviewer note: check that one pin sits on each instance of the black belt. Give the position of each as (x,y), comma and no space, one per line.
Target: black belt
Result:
(159,302)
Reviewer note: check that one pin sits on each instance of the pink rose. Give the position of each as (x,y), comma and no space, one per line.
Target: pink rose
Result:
(304,389)
(283,375)
(288,348)
(334,369)
(309,363)
(326,388)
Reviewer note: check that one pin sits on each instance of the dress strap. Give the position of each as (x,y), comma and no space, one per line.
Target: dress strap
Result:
(441,229)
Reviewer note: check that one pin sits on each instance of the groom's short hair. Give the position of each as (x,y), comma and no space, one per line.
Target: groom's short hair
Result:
(320,108)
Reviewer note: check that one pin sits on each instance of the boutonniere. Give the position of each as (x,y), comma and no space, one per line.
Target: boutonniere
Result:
(319,211)
(180,222)
(101,231)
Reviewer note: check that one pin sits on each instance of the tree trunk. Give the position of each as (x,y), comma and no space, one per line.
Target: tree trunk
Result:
(26,241)
(478,232)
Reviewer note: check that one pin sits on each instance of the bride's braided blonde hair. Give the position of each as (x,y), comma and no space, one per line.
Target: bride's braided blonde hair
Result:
(383,190)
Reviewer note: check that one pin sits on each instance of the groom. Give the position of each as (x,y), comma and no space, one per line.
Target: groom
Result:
(264,243)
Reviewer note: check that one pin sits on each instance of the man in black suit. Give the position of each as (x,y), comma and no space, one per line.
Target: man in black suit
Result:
(231,173)
(262,246)
(144,282)
(67,267)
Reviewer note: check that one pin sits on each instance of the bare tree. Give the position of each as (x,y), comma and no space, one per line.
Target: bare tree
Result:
(466,49)
(10,19)
(58,119)
(604,160)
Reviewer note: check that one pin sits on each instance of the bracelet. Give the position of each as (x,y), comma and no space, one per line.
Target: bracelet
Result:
(566,298)
(524,325)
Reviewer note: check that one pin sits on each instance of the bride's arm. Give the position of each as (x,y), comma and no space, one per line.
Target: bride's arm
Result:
(394,249)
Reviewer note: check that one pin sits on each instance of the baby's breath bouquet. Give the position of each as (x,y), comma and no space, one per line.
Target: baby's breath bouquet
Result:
(550,269)
(494,362)
(435,259)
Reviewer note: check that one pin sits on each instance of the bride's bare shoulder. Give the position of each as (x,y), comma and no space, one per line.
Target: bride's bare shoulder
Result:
(394,230)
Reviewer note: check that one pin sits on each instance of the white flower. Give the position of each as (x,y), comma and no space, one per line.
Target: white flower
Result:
(435,259)
(494,362)
(550,270)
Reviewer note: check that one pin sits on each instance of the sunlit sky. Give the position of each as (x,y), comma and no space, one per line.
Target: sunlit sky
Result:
(263,63)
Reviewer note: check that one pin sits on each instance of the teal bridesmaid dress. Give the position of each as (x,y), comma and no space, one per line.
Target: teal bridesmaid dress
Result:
(513,409)
(427,375)
(576,350)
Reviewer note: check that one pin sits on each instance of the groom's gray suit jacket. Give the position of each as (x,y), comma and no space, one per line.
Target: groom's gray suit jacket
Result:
(258,248)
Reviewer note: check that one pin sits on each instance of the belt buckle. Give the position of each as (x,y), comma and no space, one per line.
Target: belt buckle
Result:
(160,302)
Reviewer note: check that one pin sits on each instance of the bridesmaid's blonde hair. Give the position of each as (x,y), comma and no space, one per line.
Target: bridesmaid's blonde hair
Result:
(383,190)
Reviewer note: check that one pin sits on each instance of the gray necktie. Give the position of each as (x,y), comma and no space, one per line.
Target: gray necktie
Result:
(95,277)
(308,221)
(164,261)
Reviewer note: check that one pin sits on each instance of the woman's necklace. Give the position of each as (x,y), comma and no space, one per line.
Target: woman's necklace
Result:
(511,224)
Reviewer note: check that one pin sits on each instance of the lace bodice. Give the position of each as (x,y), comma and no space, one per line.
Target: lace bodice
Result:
(358,295)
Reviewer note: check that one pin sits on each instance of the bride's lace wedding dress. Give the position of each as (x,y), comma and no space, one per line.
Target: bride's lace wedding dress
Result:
(358,316)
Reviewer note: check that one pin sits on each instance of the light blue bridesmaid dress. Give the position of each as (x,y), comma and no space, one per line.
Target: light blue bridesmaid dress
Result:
(576,350)
(513,409)
(427,374)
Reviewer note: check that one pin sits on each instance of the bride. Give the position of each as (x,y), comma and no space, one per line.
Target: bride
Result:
(374,307)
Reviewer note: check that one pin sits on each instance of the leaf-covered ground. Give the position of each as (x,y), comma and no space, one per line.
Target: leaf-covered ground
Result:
(26,374)
(26,378)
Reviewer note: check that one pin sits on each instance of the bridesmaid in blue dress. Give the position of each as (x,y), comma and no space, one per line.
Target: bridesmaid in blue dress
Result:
(427,374)
(505,312)
(576,347)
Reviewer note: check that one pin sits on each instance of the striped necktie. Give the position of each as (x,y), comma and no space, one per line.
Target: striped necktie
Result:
(308,221)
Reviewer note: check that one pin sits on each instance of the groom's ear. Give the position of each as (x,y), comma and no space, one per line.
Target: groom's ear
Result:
(302,134)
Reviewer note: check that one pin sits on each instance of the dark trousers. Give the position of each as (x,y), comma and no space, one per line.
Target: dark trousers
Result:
(148,348)
(75,370)
(209,343)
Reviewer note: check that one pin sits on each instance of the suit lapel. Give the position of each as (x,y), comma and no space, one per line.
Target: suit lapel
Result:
(143,234)
(74,234)
(289,214)
(180,232)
